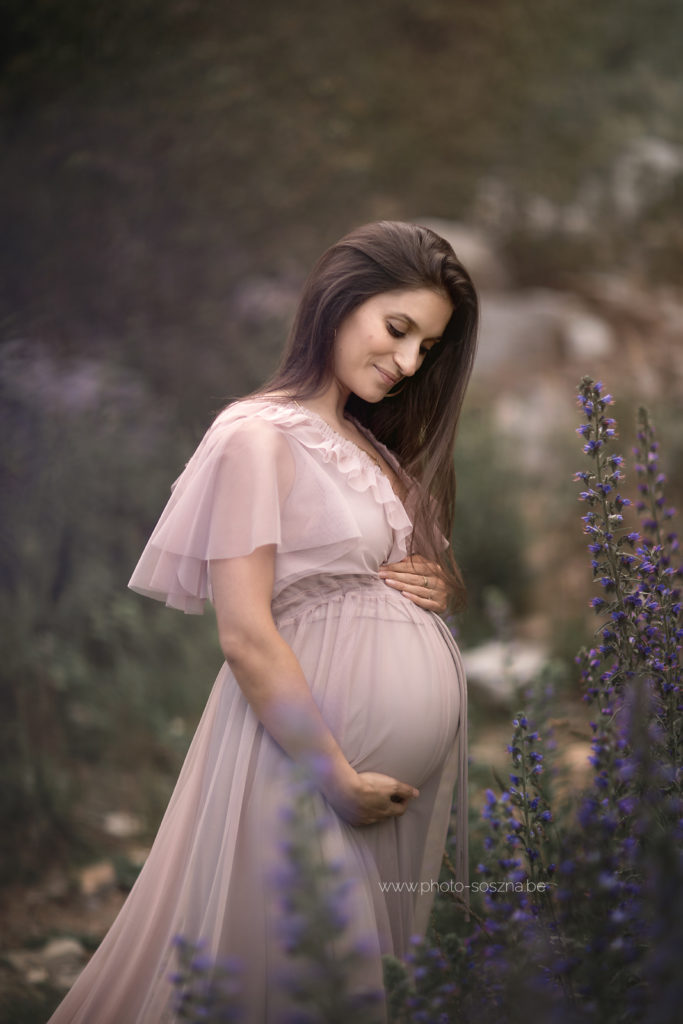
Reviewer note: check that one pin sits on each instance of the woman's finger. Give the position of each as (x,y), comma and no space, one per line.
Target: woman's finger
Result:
(416,564)
(419,568)
(418,579)
(434,598)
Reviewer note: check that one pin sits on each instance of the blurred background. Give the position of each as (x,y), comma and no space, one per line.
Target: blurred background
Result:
(169,171)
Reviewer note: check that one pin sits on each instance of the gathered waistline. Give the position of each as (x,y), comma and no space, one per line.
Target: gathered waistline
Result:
(320,589)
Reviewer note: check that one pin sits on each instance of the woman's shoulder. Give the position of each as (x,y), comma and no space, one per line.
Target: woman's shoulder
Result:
(255,407)
(247,427)
(250,415)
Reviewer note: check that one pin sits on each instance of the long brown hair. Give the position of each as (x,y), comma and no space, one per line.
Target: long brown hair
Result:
(419,423)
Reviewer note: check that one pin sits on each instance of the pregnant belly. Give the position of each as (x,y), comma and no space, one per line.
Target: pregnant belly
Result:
(384,676)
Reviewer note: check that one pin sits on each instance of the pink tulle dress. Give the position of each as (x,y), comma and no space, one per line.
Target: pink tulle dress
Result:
(388,679)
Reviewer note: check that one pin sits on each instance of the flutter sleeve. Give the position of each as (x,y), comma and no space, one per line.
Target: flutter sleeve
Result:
(228,501)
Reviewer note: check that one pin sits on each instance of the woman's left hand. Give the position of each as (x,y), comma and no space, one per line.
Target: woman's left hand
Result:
(419,580)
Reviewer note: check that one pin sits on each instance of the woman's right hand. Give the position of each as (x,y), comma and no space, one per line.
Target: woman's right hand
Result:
(370,797)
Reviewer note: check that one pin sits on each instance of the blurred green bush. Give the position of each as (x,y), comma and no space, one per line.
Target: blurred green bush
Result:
(93,678)
(490,533)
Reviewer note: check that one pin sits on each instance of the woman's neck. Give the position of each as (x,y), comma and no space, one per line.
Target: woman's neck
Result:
(329,405)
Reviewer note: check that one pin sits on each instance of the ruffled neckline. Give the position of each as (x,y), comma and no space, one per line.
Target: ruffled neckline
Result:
(334,435)
(359,468)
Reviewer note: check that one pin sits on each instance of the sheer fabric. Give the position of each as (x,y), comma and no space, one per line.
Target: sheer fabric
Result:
(386,674)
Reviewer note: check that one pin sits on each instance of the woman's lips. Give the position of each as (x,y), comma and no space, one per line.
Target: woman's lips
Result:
(386,376)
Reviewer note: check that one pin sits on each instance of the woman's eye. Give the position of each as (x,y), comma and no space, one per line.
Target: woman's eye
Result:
(394,331)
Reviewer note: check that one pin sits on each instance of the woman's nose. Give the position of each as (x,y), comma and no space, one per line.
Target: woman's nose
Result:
(407,358)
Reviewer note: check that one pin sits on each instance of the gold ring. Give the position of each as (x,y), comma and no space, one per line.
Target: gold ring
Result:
(426,583)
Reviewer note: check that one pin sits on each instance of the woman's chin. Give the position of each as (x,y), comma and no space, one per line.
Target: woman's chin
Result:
(373,394)
(371,397)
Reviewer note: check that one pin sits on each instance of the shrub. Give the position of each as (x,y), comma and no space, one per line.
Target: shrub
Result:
(580,915)
(89,672)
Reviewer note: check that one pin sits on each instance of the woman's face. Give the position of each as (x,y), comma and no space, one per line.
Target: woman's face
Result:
(386,339)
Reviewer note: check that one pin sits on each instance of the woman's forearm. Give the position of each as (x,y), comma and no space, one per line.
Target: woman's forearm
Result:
(272,680)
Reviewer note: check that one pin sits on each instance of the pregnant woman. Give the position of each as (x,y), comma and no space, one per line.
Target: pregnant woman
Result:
(314,515)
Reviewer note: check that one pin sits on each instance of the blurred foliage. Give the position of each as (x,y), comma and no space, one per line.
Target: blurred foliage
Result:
(490,534)
(90,673)
(159,153)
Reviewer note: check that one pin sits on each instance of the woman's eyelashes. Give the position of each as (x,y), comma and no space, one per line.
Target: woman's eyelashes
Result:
(396,332)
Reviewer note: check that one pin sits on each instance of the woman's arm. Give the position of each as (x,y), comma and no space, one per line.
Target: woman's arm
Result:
(273,682)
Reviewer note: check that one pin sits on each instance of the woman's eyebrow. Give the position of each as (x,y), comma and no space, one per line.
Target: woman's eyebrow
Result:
(412,323)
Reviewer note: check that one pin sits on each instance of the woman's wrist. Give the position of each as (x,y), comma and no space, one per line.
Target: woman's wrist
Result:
(337,780)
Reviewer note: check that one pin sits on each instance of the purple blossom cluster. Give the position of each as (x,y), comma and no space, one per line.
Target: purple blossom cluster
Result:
(428,987)
(519,845)
(205,990)
(641,585)
(518,876)
(315,926)
(320,953)
(596,943)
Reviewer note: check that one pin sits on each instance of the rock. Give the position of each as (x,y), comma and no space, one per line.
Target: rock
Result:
(587,337)
(58,949)
(122,824)
(643,173)
(622,298)
(96,877)
(531,422)
(64,960)
(537,330)
(516,330)
(497,670)
(59,962)
(137,855)
(37,976)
